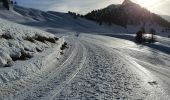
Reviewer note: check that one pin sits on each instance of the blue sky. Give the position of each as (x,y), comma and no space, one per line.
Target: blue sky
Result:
(84,6)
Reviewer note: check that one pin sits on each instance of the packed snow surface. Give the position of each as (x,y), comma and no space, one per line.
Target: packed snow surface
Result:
(98,67)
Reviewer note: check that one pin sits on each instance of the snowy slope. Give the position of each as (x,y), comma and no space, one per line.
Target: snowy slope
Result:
(24,50)
(56,22)
(13,16)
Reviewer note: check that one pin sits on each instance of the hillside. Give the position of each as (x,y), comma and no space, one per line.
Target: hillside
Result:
(66,23)
(55,22)
(166,17)
(127,13)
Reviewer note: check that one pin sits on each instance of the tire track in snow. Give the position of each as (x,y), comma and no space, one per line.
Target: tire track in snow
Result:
(74,75)
(21,86)
(56,80)
(103,76)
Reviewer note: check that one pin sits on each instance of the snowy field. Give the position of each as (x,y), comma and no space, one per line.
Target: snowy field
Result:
(99,62)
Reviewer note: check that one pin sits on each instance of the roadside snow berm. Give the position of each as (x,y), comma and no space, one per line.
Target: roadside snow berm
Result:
(25,50)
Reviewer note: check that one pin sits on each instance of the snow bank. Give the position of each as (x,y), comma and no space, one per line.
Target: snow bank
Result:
(24,50)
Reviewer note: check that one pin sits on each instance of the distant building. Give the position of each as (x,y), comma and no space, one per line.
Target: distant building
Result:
(5,4)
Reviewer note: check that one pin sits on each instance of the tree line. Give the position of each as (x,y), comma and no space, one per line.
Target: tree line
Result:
(7,3)
(75,15)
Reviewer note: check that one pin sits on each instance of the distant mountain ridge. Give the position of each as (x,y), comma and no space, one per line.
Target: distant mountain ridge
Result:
(127,13)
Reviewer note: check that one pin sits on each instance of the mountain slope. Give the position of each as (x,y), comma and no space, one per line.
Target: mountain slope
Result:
(55,22)
(125,14)
(166,17)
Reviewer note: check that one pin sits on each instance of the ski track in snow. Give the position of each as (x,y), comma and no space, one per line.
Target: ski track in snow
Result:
(88,71)
(103,77)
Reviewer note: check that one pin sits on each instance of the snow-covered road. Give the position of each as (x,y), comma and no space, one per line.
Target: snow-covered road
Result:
(89,70)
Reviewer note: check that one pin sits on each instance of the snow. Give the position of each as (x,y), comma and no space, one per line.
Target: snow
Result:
(14,46)
(56,22)
(101,62)
(152,59)
(13,16)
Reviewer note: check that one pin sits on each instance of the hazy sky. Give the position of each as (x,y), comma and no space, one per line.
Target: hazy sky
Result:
(84,6)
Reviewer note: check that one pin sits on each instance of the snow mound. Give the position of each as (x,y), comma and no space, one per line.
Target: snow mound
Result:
(23,50)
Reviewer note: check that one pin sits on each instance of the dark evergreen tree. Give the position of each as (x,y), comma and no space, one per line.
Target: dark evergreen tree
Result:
(82,16)
(12,2)
(139,37)
(75,16)
(15,3)
(153,33)
(6,4)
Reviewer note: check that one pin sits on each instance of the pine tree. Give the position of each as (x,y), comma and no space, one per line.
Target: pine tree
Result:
(139,37)
(15,3)
(6,3)
(12,2)
(153,32)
